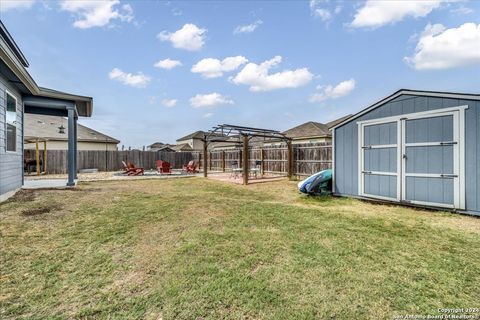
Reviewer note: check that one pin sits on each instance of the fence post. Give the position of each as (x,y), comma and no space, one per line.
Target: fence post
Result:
(262,159)
(245,159)
(210,160)
(290,159)
(223,160)
(205,155)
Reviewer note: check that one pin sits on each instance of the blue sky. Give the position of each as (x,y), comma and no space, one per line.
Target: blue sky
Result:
(288,62)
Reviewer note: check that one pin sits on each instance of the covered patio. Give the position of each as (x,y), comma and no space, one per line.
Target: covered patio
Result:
(61,104)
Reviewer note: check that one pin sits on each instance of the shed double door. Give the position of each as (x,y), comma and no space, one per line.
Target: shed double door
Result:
(414,159)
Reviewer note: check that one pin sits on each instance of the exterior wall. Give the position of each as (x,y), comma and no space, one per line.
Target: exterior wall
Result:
(11,164)
(63,145)
(346,143)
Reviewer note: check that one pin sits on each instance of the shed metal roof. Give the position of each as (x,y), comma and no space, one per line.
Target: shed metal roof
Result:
(440,94)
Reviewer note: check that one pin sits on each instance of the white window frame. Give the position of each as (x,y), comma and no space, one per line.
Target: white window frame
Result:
(8,93)
(458,113)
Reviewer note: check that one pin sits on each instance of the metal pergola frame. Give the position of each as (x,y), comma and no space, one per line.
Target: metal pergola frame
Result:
(222,132)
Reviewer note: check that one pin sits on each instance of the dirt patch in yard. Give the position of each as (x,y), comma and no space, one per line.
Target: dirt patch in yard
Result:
(40,210)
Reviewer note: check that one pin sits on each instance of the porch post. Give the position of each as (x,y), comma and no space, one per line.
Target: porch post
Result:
(75,151)
(71,146)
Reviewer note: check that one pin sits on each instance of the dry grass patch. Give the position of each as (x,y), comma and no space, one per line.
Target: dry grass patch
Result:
(195,248)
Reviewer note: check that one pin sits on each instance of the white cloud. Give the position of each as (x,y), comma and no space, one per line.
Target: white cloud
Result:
(323,14)
(462,10)
(169,103)
(441,48)
(324,10)
(214,68)
(258,78)
(208,115)
(189,37)
(138,80)
(97,13)
(249,28)
(167,64)
(376,13)
(209,100)
(331,92)
(6,5)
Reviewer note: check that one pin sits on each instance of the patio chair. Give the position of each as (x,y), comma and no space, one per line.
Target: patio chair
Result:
(191,167)
(163,167)
(256,169)
(236,170)
(131,170)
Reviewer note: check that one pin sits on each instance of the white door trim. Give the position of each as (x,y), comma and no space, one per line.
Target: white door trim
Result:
(458,114)
(361,164)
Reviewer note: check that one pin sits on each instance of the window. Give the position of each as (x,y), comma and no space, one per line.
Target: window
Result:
(11,122)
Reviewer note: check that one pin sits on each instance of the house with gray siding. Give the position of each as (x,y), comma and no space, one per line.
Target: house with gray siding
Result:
(415,147)
(19,94)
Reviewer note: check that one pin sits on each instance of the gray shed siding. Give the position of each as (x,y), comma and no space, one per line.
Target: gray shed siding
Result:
(11,164)
(346,143)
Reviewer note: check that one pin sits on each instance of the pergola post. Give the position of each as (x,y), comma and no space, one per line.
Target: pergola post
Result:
(290,159)
(205,155)
(71,147)
(245,159)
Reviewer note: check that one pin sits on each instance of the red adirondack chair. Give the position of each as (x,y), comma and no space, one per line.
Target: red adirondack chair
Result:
(163,167)
(130,170)
(191,167)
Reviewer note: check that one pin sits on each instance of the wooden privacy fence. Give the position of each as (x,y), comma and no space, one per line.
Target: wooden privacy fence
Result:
(307,158)
(112,160)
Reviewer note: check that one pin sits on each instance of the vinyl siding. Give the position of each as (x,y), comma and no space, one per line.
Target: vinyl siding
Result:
(346,143)
(11,164)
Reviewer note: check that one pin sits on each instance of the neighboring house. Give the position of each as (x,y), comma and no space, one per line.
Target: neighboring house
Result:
(182,147)
(415,147)
(195,140)
(160,146)
(310,132)
(49,128)
(20,94)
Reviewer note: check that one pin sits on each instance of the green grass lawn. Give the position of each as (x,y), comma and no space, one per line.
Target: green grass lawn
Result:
(201,249)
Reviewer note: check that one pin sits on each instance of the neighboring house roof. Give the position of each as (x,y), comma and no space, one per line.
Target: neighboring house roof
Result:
(308,129)
(182,147)
(46,128)
(199,135)
(335,122)
(453,95)
(166,148)
(196,135)
(157,145)
(13,66)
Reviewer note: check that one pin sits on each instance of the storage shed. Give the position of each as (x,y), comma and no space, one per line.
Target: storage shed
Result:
(414,147)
